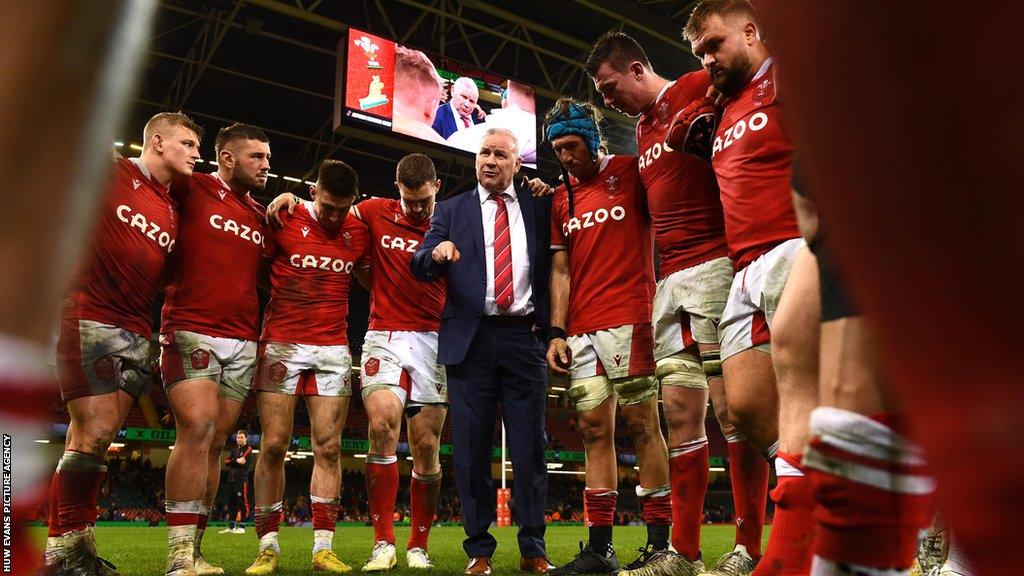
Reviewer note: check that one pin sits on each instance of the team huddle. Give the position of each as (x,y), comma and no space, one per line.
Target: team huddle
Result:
(732,315)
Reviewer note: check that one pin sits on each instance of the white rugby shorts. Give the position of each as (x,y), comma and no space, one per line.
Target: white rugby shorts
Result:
(754,297)
(405,363)
(304,369)
(188,355)
(688,306)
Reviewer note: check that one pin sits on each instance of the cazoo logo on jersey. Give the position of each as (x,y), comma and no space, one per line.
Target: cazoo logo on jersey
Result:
(148,229)
(734,133)
(241,230)
(651,154)
(320,263)
(399,243)
(593,218)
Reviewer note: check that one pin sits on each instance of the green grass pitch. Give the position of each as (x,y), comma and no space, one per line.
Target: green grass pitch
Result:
(138,551)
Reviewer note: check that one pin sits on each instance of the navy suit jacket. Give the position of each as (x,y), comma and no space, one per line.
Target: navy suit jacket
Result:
(444,121)
(460,220)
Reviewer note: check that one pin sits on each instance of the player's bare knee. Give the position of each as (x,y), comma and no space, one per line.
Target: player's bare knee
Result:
(92,445)
(382,434)
(328,453)
(744,416)
(641,427)
(425,448)
(196,432)
(687,424)
(592,431)
(94,436)
(721,409)
(676,411)
(273,448)
(724,422)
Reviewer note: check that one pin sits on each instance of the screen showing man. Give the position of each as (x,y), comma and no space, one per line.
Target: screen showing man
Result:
(460,111)
(386,86)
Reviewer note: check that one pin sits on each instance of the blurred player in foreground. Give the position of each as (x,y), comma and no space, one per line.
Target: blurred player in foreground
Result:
(58,196)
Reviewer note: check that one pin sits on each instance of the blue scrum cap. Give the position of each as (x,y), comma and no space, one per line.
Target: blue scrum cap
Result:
(575,121)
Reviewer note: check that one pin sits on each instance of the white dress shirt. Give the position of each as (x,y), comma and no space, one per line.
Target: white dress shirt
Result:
(522,289)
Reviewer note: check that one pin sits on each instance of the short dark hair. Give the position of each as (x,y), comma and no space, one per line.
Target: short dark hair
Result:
(618,49)
(163,119)
(338,179)
(721,8)
(415,170)
(237,131)
(242,432)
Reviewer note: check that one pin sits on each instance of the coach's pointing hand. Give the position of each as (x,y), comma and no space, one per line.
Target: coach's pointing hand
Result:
(536,186)
(445,253)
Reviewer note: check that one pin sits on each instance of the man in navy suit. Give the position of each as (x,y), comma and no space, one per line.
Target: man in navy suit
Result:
(460,112)
(491,244)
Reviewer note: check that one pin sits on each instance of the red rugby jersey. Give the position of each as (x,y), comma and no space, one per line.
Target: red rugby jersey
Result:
(310,277)
(398,300)
(123,268)
(215,266)
(682,195)
(753,159)
(611,262)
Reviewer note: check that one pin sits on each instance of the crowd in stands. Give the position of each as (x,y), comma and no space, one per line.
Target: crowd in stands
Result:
(134,491)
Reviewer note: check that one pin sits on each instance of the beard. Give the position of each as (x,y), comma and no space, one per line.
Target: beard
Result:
(253,183)
(731,79)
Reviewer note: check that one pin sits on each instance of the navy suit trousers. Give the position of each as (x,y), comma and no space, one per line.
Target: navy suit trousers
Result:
(504,365)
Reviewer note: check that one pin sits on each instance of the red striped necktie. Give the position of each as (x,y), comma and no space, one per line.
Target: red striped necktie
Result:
(503,295)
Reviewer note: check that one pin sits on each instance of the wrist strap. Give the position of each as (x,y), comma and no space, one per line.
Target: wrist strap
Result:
(556,332)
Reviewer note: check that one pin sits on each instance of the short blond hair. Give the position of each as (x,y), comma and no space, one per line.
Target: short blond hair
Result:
(165,120)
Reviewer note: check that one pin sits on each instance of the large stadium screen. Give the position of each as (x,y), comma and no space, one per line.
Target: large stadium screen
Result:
(393,88)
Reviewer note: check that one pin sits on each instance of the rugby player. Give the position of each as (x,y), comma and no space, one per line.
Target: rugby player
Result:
(400,358)
(602,285)
(400,370)
(686,214)
(924,260)
(872,491)
(304,352)
(104,353)
(208,333)
(752,157)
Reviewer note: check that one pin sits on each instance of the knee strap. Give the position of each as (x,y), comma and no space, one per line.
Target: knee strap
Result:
(711,362)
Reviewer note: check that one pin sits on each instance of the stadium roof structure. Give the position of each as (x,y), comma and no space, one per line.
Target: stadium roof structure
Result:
(272,63)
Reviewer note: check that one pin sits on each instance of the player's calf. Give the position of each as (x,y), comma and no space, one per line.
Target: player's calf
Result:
(684,388)
(425,424)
